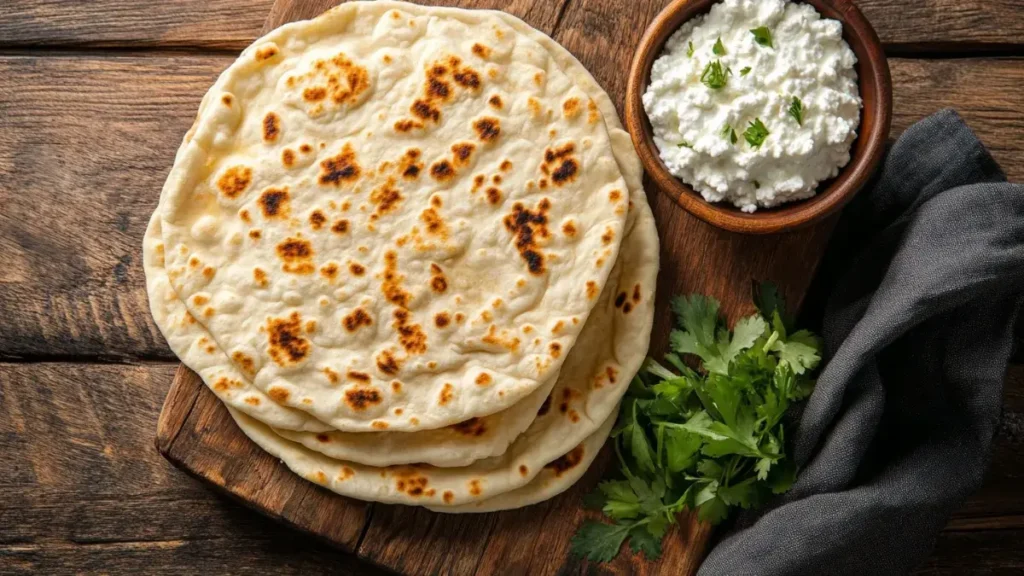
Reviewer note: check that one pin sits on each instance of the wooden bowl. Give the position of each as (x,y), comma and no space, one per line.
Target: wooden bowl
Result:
(866,154)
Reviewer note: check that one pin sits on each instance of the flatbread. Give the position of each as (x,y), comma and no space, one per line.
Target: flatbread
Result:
(431,309)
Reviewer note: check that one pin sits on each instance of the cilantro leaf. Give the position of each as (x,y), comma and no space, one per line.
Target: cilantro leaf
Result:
(597,541)
(719,48)
(682,448)
(769,300)
(689,50)
(800,351)
(745,71)
(763,36)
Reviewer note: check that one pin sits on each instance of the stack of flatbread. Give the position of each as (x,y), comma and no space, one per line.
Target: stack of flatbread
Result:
(409,249)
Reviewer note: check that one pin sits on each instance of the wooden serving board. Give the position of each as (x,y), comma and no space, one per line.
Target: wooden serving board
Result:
(196,433)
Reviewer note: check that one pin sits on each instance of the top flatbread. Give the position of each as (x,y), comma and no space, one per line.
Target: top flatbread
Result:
(382,213)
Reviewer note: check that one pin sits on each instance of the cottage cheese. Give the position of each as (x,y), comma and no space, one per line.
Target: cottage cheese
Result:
(693,123)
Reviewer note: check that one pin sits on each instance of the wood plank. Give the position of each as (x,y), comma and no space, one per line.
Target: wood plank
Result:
(230,24)
(976,553)
(84,490)
(86,142)
(917,25)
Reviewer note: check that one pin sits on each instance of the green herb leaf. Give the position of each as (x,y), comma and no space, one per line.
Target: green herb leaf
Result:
(685,144)
(729,134)
(756,133)
(640,540)
(714,76)
(719,48)
(689,51)
(599,542)
(745,71)
(796,110)
(763,36)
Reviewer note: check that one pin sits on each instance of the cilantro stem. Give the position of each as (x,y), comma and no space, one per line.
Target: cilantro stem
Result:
(771,341)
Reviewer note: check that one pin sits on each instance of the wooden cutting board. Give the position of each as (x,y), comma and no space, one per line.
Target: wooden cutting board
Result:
(196,434)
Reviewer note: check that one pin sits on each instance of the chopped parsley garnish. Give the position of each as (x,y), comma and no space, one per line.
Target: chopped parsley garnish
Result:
(689,51)
(796,110)
(745,71)
(714,76)
(708,440)
(729,133)
(763,36)
(719,48)
(756,133)
(685,144)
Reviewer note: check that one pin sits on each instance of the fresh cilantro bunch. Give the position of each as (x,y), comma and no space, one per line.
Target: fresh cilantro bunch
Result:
(708,440)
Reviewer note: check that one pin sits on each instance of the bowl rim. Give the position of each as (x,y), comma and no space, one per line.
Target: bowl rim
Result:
(790,216)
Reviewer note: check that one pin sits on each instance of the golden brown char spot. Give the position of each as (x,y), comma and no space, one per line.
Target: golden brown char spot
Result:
(396,387)
(627,308)
(496,179)
(474,488)
(565,463)
(434,222)
(441,319)
(496,102)
(234,181)
(467,78)
(244,362)
(636,293)
(260,277)
(340,169)
(297,255)
(253,401)
(534,105)
(386,198)
(410,335)
(424,110)
(279,395)
(593,115)
(199,300)
(271,127)
(487,128)
(227,100)
(314,94)
(409,165)
(478,182)
(447,393)
(193,262)
(287,346)
(329,270)
(561,164)
(592,290)
(407,125)
(340,226)
(305,148)
(346,473)
(462,151)
(355,376)
(311,326)
(356,269)
(410,482)
(243,214)
(614,196)
(494,196)
(356,319)
(391,285)
(255,234)
(275,203)
(345,81)
(492,337)
(528,227)
(472,427)
(332,377)
(571,108)
(506,166)
(265,53)
(448,496)
(360,397)
(481,50)
(460,317)
(387,363)
(208,273)
(620,300)
(556,349)
(442,171)
(379,425)
(483,379)
(523,470)
(288,157)
(608,236)
(317,219)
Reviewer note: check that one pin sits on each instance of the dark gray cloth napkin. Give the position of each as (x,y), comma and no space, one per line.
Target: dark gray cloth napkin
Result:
(922,283)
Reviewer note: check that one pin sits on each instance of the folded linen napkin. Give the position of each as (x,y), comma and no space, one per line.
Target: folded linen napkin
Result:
(921,286)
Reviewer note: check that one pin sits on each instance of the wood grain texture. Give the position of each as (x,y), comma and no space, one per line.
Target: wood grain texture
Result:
(917,25)
(85,492)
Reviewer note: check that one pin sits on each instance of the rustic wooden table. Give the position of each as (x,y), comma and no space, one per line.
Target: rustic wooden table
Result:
(94,98)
